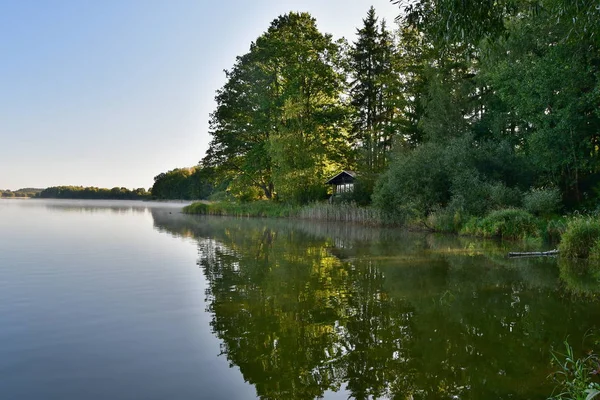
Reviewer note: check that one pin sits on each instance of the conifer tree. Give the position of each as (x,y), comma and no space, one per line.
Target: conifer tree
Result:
(375,92)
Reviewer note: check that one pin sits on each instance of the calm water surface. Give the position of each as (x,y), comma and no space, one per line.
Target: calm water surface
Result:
(132,300)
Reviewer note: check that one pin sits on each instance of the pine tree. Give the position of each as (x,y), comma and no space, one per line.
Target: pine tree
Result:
(375,92)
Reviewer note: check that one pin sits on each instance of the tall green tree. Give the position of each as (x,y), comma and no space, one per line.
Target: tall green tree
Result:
(548,88)
(280,123)
(375,92)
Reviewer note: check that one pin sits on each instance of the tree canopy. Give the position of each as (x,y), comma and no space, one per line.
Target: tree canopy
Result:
(465,108)
(281,125)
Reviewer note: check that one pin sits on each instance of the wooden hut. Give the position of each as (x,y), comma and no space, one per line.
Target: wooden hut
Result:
(342,182)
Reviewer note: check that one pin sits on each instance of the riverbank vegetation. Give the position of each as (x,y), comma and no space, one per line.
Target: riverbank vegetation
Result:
(463,118)
(236,209)
(25,192)
(183,184)
(576,377)
(80,192)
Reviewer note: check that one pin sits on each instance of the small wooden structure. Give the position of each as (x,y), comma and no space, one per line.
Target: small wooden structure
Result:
(535,254)
(342,182)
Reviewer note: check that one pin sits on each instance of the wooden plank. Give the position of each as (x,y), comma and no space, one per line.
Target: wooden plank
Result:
(534,254)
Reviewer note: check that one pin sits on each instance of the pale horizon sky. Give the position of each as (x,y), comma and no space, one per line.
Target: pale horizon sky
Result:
(112,93)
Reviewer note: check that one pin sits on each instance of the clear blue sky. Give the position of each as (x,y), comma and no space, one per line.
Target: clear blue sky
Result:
(113,92)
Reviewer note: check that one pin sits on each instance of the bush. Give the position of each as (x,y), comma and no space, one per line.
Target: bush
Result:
(361,193)
(462,174)
(196,208)
(555,228)
(449,220)
(542,202)
(510,223)
(581,236)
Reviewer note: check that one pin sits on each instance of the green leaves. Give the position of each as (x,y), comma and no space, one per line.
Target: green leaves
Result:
(280,122)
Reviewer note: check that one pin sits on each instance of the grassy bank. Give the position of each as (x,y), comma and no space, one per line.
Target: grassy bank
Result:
(251,209)
(317,211)
(579,236)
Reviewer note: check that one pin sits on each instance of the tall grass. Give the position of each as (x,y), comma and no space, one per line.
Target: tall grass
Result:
(344,212)
(580,240)
(576,377)
(252,209)
(510,223)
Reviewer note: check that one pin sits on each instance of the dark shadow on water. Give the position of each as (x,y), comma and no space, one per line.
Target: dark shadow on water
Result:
(303,308)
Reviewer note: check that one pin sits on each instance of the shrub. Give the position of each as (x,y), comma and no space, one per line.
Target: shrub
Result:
(196,208)
(362,192)
(462,173)
(542,202)
(449,219)
(554,230)
(510,223)
(582,234)
(475,196)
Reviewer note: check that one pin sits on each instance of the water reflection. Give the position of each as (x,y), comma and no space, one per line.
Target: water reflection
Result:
(304,308)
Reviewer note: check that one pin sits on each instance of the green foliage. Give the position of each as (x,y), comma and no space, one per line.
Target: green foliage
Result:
(576,376)
(555,228)
(198,208)
(527,102)
(375,92)
(454,174)
(183,184)
(24,192)
(449,21)
(280,123)
(220,196)
(542,202)
(467,109)
(448,220)
(80,192)
(511,223)
(263,208)
(581,236)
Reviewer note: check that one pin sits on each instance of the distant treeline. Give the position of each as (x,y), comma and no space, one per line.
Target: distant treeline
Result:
(183,184)
(80,192)
(25,192)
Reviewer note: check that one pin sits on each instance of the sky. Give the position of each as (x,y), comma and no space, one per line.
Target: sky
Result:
(112,93)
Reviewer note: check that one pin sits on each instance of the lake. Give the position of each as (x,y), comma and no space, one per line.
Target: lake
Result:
(133,300)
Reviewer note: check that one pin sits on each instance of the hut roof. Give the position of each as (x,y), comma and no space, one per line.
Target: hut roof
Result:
(342,177)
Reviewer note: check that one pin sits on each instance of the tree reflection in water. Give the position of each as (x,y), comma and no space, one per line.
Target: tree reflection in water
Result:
(303,309)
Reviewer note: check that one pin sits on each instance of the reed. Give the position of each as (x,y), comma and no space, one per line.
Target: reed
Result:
(252,209)
(344,212)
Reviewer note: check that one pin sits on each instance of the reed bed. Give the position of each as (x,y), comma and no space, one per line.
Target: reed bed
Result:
(345,212)
(263,208)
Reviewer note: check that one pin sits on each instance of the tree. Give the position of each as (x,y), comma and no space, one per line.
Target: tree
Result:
(183,183)
(548,88)
(280,123)
(375,92)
